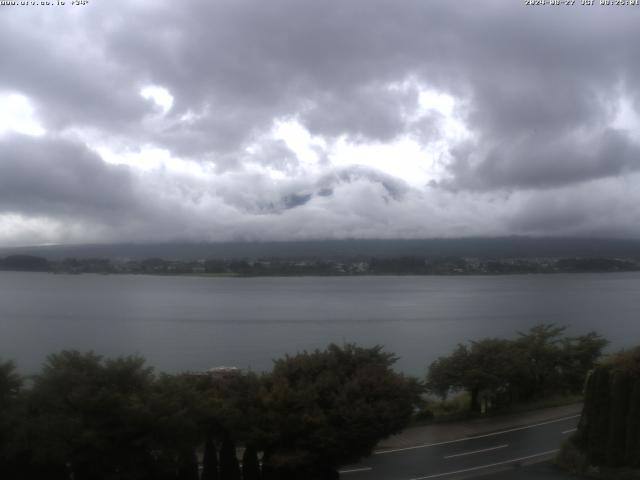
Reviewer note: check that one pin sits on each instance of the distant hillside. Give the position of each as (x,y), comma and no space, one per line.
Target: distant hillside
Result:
(504,247)
(24,263)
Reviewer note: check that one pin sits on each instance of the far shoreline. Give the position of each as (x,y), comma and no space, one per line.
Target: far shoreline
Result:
(362,275)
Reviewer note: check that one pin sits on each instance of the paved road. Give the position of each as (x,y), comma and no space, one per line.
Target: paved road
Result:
(465,457)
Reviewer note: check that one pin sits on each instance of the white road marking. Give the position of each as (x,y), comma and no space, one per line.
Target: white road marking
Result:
(569,431)
(477,451)
(354,470)
(486,466)
(493,434)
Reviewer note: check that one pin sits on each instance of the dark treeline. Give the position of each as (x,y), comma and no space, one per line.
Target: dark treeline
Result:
(498,373)
(86,417)
(89,418)
(356,265)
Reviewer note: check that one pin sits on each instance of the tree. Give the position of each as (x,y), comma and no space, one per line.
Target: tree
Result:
(232,405)
(229,466)
(543,358)
(187,465)
(580,355)
(11,416)
(331,407)
(180,416)
(210,459)
(230,412)
(113,418)
(487,370)
(497,372)
(92,414)
(447,374)
(250,464)
(10,384)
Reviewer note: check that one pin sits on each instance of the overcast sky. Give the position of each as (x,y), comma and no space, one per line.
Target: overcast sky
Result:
(217,120)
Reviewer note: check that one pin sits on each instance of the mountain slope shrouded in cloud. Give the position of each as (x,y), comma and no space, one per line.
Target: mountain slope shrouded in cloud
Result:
(505,247)
(288,120)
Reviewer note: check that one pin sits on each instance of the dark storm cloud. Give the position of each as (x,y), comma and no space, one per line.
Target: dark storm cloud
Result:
(538,89)
(525,72)
(238,65)
(536,163)
(369,113)
(602,208)
(65,73)
(545,88)
(61,178)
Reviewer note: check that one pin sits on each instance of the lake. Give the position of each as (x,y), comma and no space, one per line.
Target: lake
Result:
(194,323)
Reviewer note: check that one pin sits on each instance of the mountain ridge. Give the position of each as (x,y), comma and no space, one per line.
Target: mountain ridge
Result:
(481,247)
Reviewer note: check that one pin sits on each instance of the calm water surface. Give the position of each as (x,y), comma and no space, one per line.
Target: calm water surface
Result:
(191,323)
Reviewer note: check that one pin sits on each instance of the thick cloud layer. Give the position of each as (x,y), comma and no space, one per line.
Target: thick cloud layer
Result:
(300,119)
(45,176)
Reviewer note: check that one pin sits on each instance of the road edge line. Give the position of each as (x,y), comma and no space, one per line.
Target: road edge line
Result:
(456,455)
(492,434)
(481,467)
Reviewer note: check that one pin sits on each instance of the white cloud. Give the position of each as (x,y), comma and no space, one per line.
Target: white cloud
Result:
(159,95)
(307,148)
(147,158)
(627,117)
(18,115)
(405,157)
